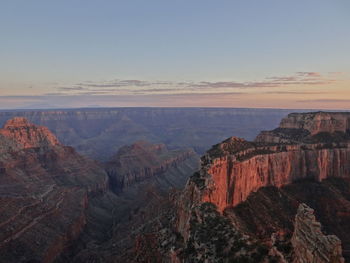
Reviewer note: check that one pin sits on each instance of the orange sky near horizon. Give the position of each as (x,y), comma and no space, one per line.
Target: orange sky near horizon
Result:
(300,90)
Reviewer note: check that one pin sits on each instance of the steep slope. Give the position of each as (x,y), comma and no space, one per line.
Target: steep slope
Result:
(234,173)
(143,160)
(143,179)
(310,244)
(44,188)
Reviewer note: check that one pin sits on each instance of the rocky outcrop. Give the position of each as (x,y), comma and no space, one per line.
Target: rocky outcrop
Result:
(28,135)
(44,191)
(127,224)
(232,178)
(310,128)
(318,122)
(143,160)
(310,244)
(234,170)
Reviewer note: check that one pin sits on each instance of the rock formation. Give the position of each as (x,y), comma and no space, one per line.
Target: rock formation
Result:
(235,168)
(100,132)
(28,135)
(310,244)
(306,147)
(126,224)
(142,160)
(44,189)
(318,122)
(243,205)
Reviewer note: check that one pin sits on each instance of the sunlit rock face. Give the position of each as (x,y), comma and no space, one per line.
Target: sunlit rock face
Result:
(236,167)
(310,128)
(318,122)
(263,178)
(28,135)
(44,189)
(234,177)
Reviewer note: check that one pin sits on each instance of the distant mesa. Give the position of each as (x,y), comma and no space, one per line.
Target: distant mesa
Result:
(16,122)
(28,135)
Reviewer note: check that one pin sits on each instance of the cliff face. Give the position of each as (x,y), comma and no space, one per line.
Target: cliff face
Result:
(234,177)
(142,160)
(235,168)
(44,188)
(129,226)
(318,122)
(310,147)
(310,128)
(310,244)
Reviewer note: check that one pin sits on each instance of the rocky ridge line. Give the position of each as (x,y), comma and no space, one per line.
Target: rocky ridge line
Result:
(310,244)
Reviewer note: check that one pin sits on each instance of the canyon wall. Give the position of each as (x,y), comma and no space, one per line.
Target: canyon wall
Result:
(125,225)
(310,244)
(234,177)
(235,168)
(99,133)
(44,190)
(306,147)
(143,160)
(318,122)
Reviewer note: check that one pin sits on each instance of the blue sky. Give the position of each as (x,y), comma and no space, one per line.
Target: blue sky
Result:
(54,48)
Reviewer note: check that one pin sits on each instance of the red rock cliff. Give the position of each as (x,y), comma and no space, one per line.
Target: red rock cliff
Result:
(235,168)
(234,177)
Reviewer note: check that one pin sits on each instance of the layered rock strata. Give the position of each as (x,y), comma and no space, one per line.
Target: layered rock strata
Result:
(235,168)
(310,244)
(125,224)
(44,189)
(311,146)
(100,132)
(143,160)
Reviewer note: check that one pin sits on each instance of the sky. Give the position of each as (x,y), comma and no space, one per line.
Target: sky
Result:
(180,53)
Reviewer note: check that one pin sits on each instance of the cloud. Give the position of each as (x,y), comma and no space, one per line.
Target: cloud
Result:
(281,84)
(309,74)
(325,101)
(296,92)
(123,83)
(70,88)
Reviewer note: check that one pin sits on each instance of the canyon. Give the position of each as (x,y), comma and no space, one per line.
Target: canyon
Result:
(143,160)
(99,132)
(55,201)
(283,197)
